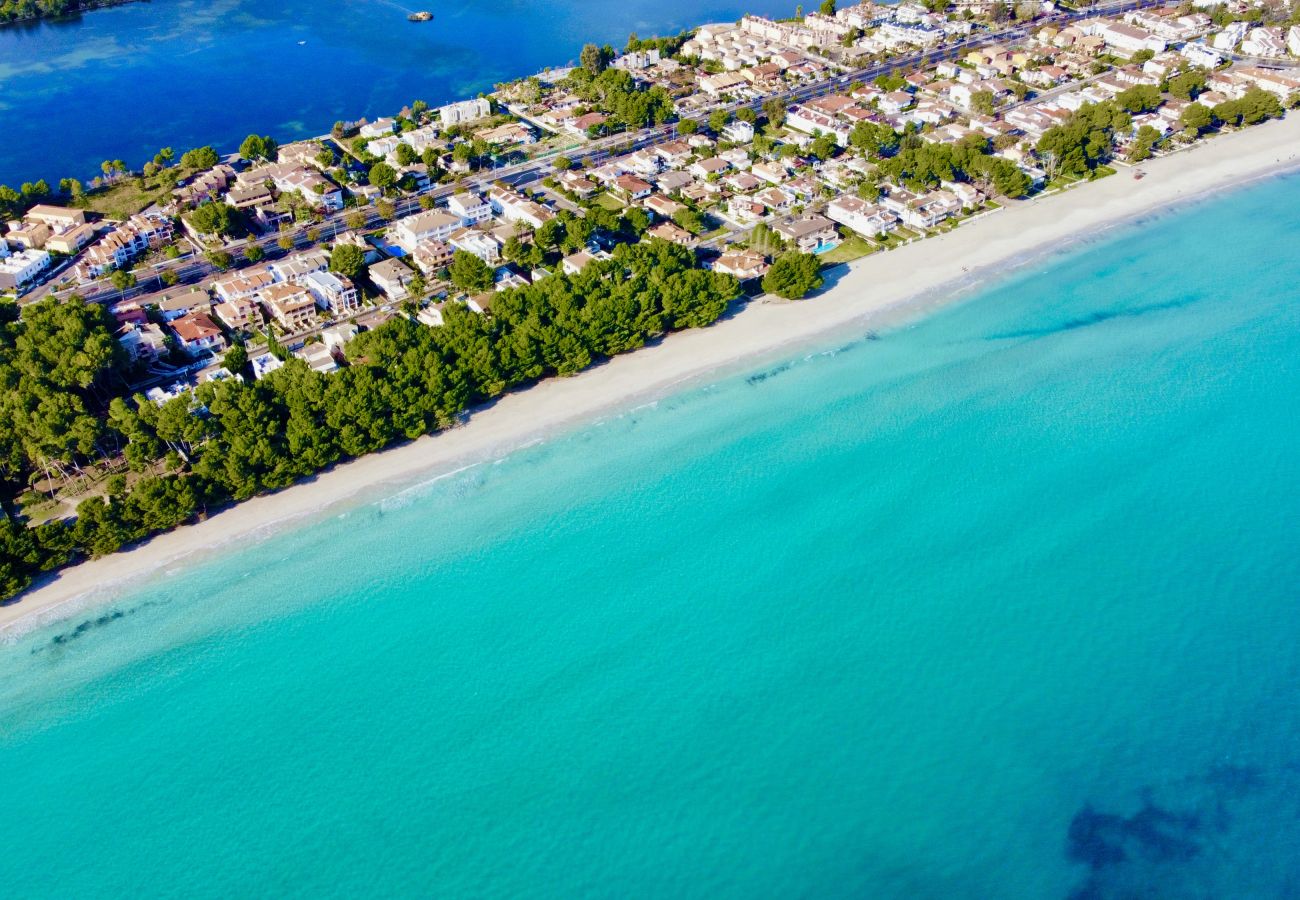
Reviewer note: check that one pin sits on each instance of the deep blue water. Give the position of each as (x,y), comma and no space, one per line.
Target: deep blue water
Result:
(123,82)
(1003,604)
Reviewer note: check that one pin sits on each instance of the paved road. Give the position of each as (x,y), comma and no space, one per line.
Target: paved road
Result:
(192,268)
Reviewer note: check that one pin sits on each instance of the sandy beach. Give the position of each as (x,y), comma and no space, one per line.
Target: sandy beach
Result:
(879,289)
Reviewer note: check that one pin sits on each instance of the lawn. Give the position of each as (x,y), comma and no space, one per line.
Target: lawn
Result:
(853,248)
(610,202)
(128,196)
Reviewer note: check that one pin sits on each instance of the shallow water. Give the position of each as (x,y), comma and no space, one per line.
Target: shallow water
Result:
(1002,604)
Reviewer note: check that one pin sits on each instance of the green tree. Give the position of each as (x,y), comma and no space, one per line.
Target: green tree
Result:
(1010,180)
(1083,141)
(774,109)
(593,59)
(383,176)
(199,158)
(215,218)
(236,359)
(1188,85)
(563,163)
(469,273)
(718,120)
(690,220)
(348,259)
(122,279)
(254,253)
(828,7)
(874,138)
(256,147)
(1139,99)
(220,259)
(793,275)
(1197,118)
(406,156)
(1144,143)
(688,126)
(823,146)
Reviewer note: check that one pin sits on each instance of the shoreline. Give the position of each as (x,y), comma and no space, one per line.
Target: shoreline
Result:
(882,289)
(89,6)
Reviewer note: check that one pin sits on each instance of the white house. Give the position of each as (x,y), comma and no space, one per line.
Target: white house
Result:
(378,128)
(813,122)
(471,209)
(332,291)
(744,264)
(391,277)
(142,342)
(464,111)
(867,219)
(264,365)
(433,224)
(22,268)
(921,210)
(198,334)
(514,207)
(1230,36)
(810,233)
(1265,42)
(738,132)
(480,243)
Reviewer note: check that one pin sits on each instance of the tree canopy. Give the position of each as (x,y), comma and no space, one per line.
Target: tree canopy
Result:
(65,405)
(793,275)
(469,273)
(348,259)
(1083,141)
(259,147)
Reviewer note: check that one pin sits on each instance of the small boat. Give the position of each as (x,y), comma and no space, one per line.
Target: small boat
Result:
(421,16)
(302,43)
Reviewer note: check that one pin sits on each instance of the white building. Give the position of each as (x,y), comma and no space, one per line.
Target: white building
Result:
(1266,42)
(464,111)
(391,277)
(867,219)
(636,60)
(469,208)
(378,128)
(333,292)
(1231,36)
(739,132)
(20,269)
(433,224)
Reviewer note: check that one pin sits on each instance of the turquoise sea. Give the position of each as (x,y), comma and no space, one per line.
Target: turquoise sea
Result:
(1004,603)
(121,83)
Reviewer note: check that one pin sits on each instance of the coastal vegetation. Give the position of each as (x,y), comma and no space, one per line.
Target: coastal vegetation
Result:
(65,407)
(25,10)
(793,275)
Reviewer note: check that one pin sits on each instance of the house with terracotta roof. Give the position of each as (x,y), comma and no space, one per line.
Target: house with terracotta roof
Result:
(744,264)
(198,334)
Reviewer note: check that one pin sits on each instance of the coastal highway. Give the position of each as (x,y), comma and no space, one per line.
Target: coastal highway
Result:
(193,268)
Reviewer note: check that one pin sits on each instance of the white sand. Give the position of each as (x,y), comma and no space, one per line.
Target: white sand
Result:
(906,281)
